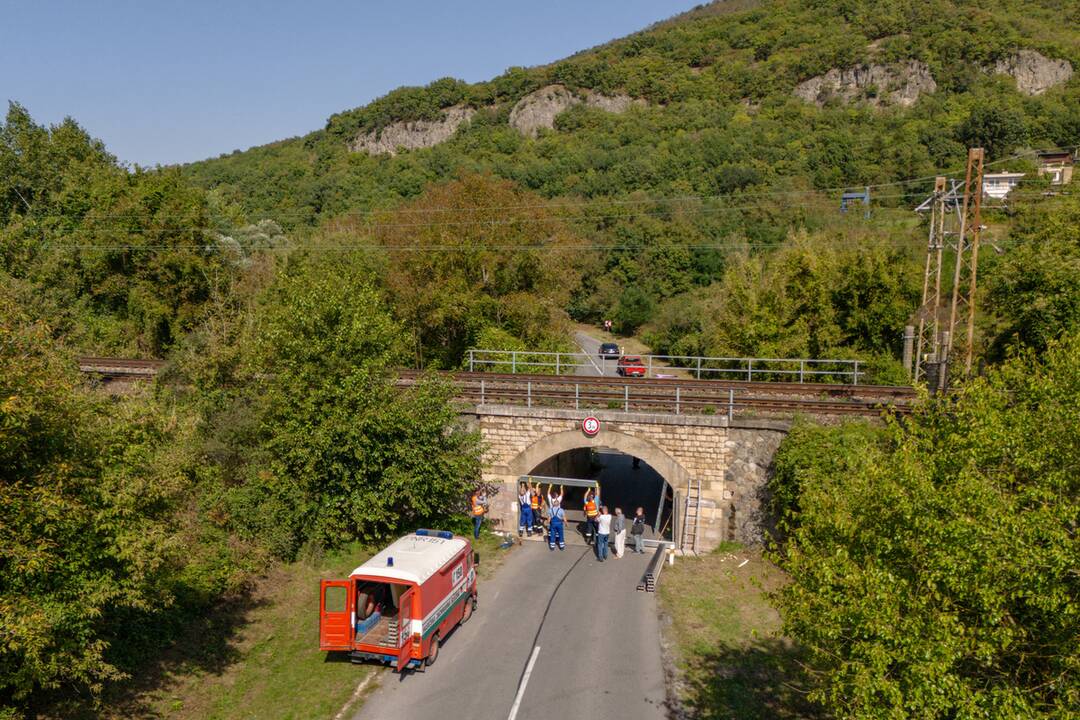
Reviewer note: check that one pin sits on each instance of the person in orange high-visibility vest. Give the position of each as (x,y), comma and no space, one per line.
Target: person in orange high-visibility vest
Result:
(536,504)
(478,504)
(592,511)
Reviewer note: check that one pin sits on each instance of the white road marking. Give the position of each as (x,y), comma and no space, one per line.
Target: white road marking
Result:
(590,359)
(524,682)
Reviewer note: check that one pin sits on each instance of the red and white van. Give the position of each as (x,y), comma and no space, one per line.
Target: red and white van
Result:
(397,606)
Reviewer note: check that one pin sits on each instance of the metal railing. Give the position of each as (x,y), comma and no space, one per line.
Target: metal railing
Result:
(671,396)
(801,370)
(591,395)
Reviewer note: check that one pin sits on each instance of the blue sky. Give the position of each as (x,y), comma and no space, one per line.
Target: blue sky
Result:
(166,82)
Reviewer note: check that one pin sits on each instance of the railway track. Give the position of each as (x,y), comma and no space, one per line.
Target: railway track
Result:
(674,396)
(835,390)
(660,395)
(120,367)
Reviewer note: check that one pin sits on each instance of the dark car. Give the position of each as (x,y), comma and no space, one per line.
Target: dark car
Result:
(610,350)
(630,366)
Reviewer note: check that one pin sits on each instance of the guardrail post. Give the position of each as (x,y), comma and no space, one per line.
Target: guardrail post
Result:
(855,377)
(557,363)
(626,397)
(513,362)
(730,405)
(470,361)
(577,396)
(699,368)
(649,372)
(528,389)
(677,398)
(802,366)
(482,391)
(749,369)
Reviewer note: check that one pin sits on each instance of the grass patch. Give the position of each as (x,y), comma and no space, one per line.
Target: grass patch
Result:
(258,656)
(266,661)
(731,661)
(493,553)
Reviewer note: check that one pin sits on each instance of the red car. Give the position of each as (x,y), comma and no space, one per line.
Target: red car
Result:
(630,366)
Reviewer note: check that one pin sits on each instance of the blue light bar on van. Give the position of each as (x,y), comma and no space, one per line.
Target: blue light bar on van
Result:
(444,534)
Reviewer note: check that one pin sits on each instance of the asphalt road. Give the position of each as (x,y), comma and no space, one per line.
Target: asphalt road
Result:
(594,366)
(594,642)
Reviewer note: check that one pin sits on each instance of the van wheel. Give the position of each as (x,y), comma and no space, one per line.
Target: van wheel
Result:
(470,605)
(433,651)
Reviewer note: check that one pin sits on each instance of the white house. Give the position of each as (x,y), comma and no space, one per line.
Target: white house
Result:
(997,185)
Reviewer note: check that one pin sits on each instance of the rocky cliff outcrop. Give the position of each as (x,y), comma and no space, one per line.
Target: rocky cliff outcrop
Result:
(893,84)
(412,134)
(540,108)
(1034,72)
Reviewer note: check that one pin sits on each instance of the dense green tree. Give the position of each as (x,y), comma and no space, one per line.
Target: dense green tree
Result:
(121,260)
(310,438)
(817,296)
(995,128)
(1034,289)
(88,531)
(934,575)
(473,253)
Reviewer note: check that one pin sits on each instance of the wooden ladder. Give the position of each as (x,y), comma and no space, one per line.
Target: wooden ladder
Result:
(692,517)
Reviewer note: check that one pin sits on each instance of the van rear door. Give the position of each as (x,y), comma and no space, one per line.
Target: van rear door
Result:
(405,632)
(335,624)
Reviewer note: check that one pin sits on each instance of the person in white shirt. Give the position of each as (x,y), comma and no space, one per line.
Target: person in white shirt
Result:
(603,531)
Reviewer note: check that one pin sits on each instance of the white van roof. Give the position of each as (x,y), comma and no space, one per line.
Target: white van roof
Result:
(415,558)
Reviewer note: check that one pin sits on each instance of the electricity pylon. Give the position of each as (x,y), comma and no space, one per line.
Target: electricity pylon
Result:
(926,338)
(965,274)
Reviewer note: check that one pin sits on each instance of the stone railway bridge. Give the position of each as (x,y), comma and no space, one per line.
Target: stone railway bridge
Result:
(715,464)
(729,458)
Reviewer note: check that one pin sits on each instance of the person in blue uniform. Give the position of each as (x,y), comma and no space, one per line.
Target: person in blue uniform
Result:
(525,518)
(557,519)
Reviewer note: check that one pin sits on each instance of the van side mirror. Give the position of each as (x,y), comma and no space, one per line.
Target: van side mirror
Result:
(476,558)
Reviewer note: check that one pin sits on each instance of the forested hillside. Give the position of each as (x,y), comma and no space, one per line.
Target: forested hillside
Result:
(708,113)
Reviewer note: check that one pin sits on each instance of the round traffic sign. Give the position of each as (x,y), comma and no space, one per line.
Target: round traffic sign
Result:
(590,426)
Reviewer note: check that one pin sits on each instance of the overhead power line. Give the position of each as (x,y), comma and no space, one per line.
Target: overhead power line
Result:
(590,203)
(571,219)
(639,248)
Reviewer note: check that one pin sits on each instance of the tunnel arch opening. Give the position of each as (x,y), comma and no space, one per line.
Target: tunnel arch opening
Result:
(653,482)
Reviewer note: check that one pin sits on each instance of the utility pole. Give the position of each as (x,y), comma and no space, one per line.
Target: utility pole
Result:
(926,337)
(962,313)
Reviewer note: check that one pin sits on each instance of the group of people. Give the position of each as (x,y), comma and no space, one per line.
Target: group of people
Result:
(600,525)
(535,505)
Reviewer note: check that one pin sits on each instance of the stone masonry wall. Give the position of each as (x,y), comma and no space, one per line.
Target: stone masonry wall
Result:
(731,463)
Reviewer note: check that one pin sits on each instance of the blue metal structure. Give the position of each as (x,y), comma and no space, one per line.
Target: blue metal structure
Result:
(851,196)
